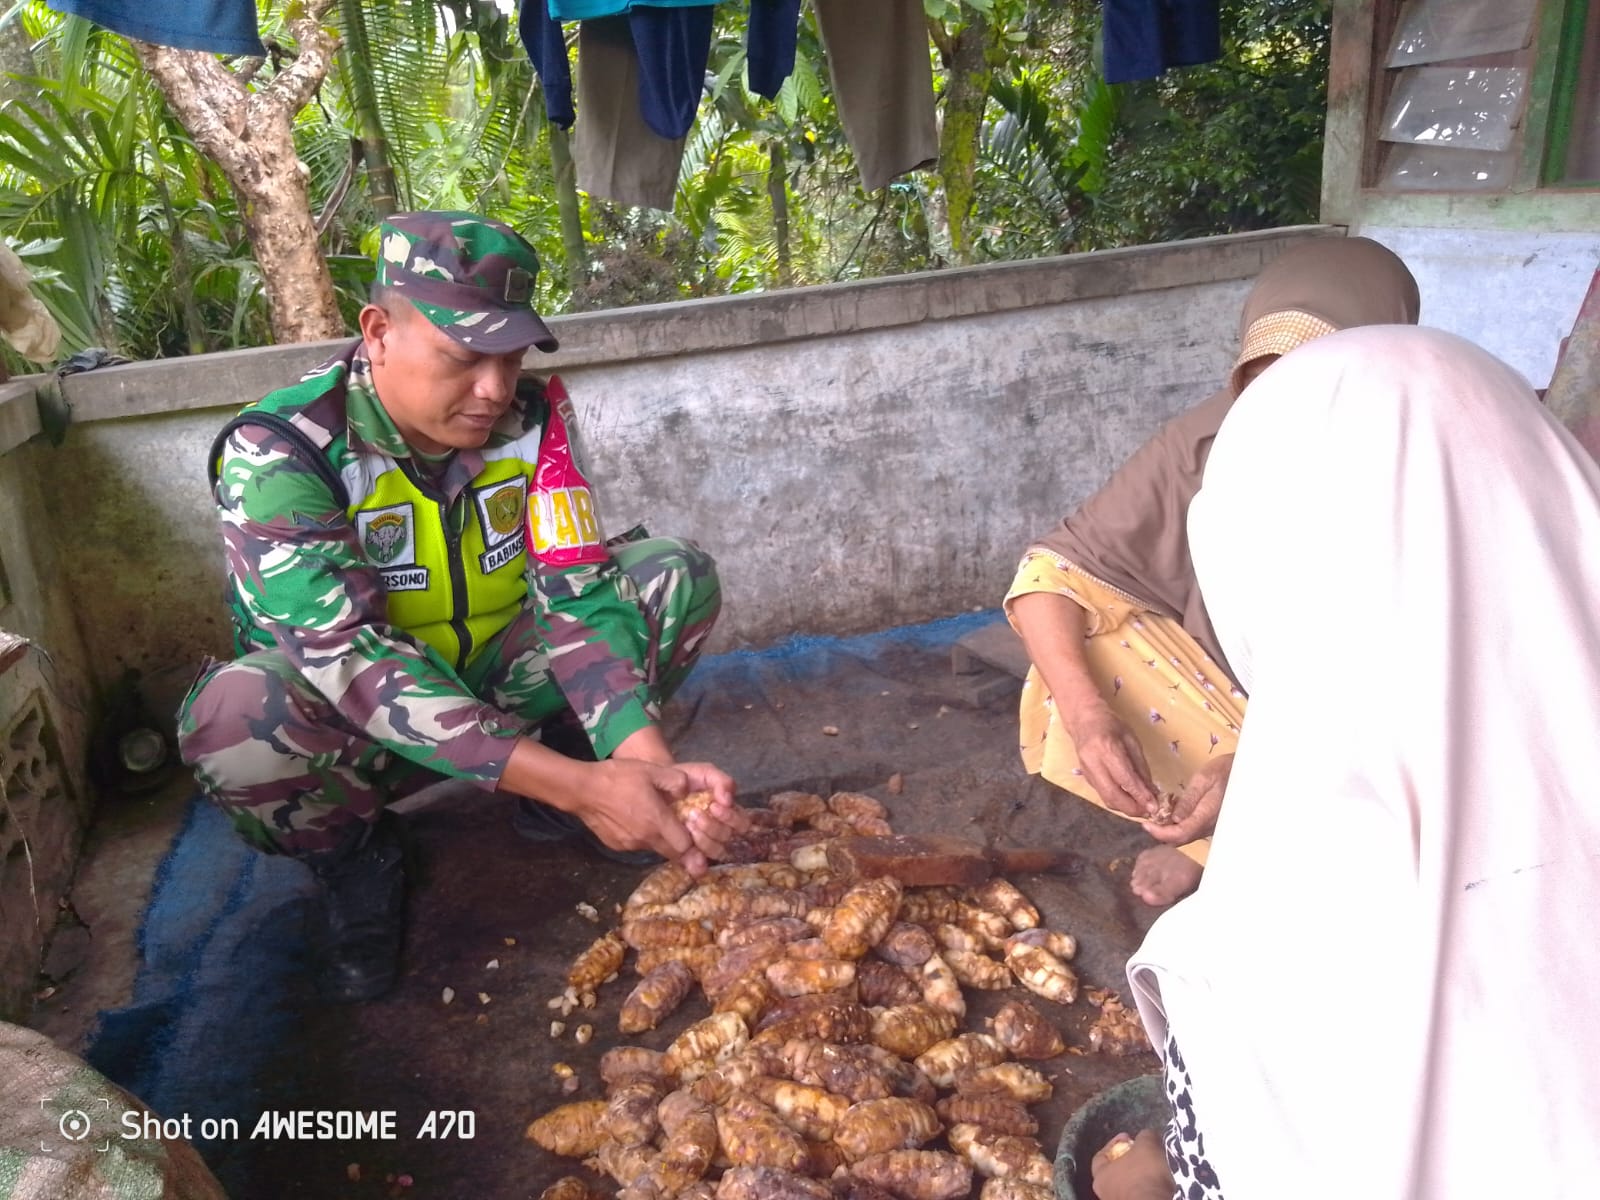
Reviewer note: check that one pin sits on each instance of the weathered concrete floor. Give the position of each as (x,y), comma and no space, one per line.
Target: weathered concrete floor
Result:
(92,958)
(481,887)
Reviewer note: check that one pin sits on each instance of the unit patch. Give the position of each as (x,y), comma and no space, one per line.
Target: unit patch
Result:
(501,510)
(388,535)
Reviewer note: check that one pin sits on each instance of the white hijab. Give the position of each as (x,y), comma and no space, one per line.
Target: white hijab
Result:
(1388,983)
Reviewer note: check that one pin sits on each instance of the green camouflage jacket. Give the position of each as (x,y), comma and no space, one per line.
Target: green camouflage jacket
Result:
(299,580)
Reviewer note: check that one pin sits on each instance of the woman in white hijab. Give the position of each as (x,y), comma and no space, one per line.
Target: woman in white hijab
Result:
(1420,1019)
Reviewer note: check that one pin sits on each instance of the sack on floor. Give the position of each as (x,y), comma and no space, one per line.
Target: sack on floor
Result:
(62,1133)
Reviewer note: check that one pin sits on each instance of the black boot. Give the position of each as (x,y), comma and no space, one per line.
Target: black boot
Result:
(541,823)
(363,888)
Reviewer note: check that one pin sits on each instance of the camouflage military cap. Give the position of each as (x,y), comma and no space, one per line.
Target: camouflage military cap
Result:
(472,277)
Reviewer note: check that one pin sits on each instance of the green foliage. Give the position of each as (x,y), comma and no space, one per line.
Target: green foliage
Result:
(1228,146)
(456,99)
(137,241)
(97,184)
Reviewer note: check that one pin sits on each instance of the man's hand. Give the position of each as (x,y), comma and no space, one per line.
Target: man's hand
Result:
(712,828)
(1137,1173)
(627,804)
(1195,812)
(1112,762)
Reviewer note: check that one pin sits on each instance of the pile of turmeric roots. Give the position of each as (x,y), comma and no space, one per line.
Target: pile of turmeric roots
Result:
(833,1064)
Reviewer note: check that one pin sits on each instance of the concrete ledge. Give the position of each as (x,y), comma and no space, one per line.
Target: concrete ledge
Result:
(19,412)
(651,331)
(828,310)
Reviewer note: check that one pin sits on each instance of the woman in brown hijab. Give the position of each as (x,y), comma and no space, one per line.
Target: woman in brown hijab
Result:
(1130,701)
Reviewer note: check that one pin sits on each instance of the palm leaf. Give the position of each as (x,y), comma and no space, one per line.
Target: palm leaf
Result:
(1097,126)
(807,87)
(410,76)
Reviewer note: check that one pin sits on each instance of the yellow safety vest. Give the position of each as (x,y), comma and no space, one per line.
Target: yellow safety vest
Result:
(455,576)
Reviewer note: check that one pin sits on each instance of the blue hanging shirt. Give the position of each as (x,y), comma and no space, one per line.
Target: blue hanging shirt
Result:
(770,44)
(1143,38)
(217,26)
(673,45)
(547,49)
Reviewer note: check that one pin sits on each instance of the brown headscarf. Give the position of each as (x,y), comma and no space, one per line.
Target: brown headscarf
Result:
(1133,532)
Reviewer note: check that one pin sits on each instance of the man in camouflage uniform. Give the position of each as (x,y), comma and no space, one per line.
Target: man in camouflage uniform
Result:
(419,588)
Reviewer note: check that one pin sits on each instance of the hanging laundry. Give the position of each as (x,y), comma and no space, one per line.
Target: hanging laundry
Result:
(547,50)
(769,44)
(641,74)
(217,26)
(1144,38)
(882,74)
(618,156)
(640,79)
(770,48)
(673,46)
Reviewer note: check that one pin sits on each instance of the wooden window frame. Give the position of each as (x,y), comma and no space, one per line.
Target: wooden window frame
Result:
(1358,91)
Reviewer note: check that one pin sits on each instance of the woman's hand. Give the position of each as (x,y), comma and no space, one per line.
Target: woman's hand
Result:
(1053,629)
(1137,1173)
(1195,812)
(1111,760)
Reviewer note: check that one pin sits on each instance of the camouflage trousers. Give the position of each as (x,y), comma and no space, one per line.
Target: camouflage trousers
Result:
(297,777)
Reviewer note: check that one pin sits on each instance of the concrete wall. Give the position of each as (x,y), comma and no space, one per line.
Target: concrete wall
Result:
(1516,293)
(856,456)
(847,484)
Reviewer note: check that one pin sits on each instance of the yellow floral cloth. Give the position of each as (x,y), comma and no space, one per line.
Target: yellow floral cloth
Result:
(1180,705)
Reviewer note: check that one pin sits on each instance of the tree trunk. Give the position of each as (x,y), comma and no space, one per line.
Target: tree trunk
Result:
(936,223)
(572,240)
(778,194)
(969,68)
(250,136)
(357,53)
